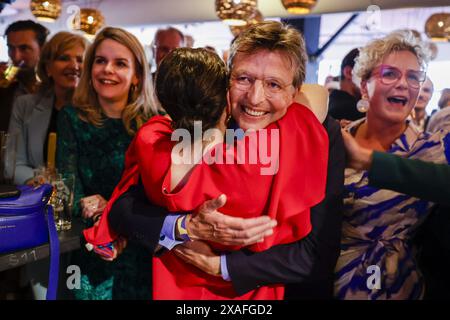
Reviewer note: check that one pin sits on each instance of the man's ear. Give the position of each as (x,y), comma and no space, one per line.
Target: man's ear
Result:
(296,92)
(348,73)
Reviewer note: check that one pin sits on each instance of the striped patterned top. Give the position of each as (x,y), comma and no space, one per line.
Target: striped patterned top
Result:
(378,225)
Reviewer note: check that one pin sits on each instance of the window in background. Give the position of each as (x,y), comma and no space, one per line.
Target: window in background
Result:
(438,71)
(3,50)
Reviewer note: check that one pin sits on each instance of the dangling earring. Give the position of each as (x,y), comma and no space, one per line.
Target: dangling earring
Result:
(227,122)
(363,105)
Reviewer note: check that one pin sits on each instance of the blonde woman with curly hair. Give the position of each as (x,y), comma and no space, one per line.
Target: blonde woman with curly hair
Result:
(377,258)
(113,100)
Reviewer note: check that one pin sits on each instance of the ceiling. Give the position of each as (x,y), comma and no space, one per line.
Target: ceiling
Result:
(145,12)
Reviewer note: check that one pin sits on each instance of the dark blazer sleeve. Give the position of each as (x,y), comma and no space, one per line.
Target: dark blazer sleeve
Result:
(135,218)
(428,181)
(306,265)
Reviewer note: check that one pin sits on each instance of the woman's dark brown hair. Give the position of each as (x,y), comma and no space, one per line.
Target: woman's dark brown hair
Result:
(191,85)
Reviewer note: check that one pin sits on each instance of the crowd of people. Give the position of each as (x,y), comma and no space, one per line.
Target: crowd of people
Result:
(364,188)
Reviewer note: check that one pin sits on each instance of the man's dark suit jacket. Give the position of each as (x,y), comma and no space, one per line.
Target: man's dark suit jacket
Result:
(7,97)
(342,105)
(306,266)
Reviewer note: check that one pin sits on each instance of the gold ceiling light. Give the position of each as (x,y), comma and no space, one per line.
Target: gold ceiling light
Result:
(91,20)
(437,27)
(235,12)
(299,6)
(46,10)
(255,18)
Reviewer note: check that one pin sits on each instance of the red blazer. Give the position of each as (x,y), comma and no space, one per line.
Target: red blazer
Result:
(298,183)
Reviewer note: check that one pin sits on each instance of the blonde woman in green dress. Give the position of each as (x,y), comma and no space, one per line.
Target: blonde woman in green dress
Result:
(113,100)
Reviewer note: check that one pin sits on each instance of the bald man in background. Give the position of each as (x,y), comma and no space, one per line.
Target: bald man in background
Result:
(165,41)
(419,115)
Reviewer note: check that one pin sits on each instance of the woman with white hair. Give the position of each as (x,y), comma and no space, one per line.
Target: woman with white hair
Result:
(377,259)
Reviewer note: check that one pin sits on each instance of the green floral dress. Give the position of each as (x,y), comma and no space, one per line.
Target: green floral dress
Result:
(95,155)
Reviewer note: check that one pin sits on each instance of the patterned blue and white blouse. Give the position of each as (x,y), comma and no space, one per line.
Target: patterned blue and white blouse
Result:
(378,225)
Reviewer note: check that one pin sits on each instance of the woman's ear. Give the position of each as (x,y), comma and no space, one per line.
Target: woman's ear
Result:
(48,70)
(364,91)
(135,80)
